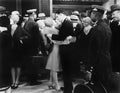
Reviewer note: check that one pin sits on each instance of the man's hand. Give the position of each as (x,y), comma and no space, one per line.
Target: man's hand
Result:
(71,39)
(3,29)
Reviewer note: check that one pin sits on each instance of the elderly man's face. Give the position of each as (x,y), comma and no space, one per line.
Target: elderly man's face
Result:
(116,15)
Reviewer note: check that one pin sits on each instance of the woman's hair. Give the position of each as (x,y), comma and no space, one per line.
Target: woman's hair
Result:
(49,22)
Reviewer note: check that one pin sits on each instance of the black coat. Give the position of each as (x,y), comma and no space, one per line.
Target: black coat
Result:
(99,52)
(18,39)
(82,45)
(35,42)
(5,58)
(115,46)
(5,52)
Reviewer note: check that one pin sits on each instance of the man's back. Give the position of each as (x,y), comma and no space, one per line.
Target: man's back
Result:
(35,39)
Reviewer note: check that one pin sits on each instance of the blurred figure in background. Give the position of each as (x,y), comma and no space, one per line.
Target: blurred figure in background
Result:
(77,28)
(25,18)
(40,21)
(83,41)
(41,16)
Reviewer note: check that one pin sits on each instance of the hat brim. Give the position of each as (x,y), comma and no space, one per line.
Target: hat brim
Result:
(115,10)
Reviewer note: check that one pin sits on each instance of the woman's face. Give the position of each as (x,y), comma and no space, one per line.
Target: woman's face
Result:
(86,21)
(15,18)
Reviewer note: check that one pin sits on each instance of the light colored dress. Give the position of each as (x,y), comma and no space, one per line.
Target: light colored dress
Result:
(53,62)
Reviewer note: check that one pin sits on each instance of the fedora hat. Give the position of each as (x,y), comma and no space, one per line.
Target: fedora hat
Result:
(115,7)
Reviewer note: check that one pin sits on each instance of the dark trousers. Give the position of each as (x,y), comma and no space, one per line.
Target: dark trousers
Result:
(102,74)
(67,67)
(31,70)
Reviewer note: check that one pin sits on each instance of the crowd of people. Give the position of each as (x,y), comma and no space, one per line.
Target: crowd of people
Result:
(90,37)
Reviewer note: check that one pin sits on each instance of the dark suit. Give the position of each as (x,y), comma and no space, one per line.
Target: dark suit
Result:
(65,30)
(115,46)
(98,52)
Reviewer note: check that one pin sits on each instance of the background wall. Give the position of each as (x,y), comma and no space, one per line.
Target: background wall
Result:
(47,6)
(9,4)
(29,4)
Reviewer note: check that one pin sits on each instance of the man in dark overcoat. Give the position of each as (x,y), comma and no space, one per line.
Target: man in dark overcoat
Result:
(99,47)
(32,45)
(5,49)
(115,46)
